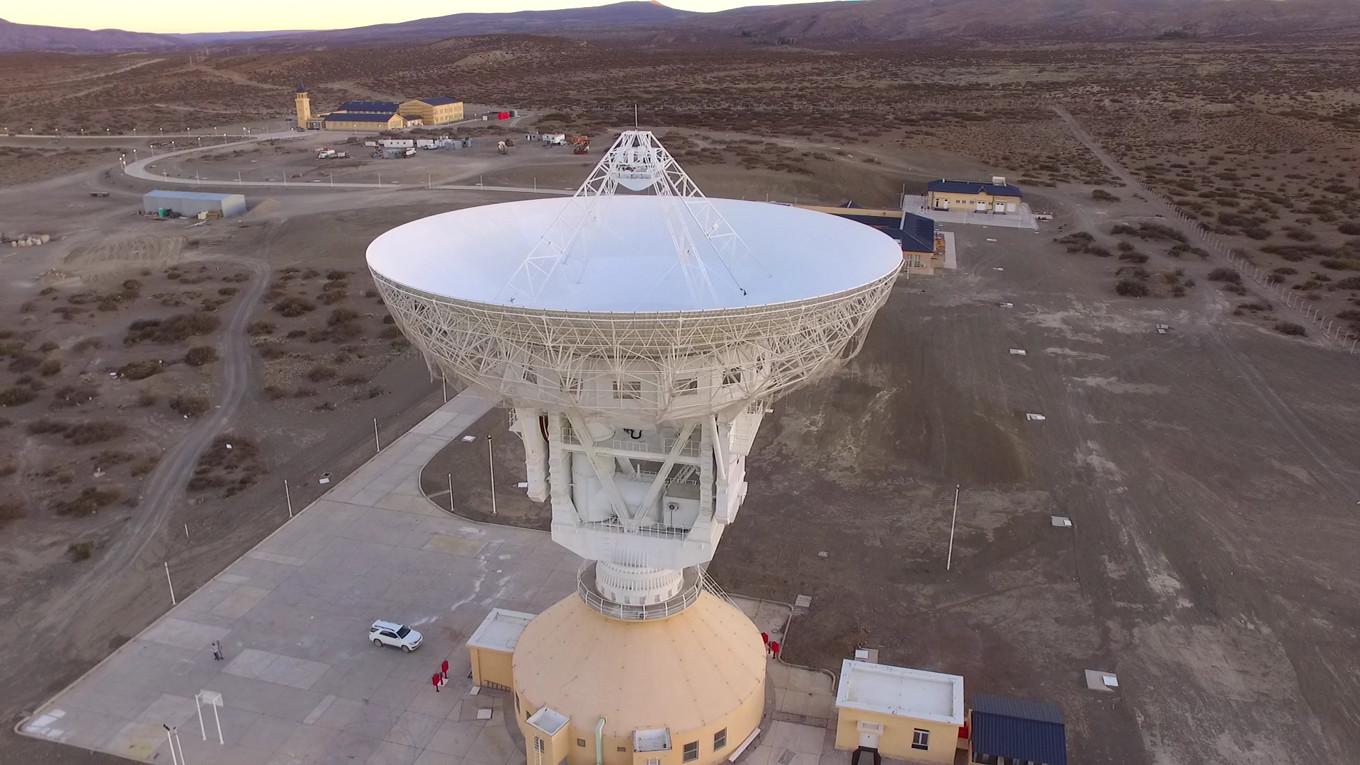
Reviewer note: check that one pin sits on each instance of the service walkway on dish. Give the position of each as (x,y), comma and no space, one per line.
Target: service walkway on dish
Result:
(299,681)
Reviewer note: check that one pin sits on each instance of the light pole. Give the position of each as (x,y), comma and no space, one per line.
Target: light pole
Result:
(949,560)
(491,462)
(172,738)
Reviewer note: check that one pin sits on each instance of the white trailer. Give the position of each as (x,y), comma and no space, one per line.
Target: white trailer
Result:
(555,139)
(397,143)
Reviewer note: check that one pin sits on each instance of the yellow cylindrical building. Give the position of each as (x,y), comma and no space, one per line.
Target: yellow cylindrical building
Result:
(684,690)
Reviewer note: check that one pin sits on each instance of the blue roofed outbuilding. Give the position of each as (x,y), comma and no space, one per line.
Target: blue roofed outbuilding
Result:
(1023,732)
(371,107)
(945,186)
(359,117)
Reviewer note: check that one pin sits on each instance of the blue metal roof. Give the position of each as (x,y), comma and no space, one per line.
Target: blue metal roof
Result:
(918,233)
(437,101)
(357,117)
(205,196)
(367,106)
(1022,730)
(974,187)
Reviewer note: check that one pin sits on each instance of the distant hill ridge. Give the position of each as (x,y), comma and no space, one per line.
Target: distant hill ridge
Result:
(825,23)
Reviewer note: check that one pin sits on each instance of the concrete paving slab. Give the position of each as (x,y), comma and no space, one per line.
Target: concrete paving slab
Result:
(455,737)
(388,753)
(182,633)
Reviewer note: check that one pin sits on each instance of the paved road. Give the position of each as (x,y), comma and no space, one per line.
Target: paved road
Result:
(139,170)
(167,482)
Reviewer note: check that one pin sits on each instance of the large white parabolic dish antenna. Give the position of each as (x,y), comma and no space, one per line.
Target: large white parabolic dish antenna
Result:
(661,305)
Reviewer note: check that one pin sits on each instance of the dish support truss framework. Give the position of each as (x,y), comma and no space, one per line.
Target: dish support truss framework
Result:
(642,369)
(637,161)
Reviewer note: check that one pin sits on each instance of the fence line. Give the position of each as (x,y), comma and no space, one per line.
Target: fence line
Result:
(1330,329)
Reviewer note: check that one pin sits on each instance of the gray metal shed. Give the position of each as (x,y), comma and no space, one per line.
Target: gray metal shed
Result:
(190,203)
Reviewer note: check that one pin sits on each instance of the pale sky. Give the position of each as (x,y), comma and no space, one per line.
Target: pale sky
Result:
(254,15)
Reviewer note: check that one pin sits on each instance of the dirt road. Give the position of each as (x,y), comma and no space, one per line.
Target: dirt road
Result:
(165,486)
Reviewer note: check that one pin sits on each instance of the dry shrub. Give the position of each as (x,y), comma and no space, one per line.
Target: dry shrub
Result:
(79,551)
(175,329)
(83,433)
(294,306)
(89,500)
(189,406)
(320,372)
(200,355)
(1131,288)
(140,370)
(16,395)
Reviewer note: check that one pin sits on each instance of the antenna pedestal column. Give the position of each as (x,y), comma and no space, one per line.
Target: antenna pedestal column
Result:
(637,585)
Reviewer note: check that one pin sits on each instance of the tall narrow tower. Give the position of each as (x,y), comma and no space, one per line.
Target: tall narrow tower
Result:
(303,104)
(638,330)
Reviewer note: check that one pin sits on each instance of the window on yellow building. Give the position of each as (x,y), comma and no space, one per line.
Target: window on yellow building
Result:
(920,739)
(691,751)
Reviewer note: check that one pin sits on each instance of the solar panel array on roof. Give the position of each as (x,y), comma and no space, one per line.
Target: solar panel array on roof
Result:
(368,106)
(1027,731)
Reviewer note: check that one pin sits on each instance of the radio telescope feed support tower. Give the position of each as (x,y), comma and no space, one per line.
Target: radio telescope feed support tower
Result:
(638,330)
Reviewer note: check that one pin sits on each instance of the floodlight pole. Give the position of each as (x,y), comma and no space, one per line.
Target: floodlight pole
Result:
(288,497)
(376,443)
(220,741)
(949,560)
(173,602)
(491,462)
(170,739)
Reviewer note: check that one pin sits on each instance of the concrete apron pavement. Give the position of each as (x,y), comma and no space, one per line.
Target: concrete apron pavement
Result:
(299,681)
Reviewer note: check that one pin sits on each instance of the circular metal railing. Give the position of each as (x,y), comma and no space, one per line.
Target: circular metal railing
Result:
(690,590)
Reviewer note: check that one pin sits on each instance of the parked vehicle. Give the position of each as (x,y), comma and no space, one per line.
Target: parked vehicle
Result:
(385,633)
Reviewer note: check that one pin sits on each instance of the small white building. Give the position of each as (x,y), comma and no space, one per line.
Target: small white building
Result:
(907,714)
(492,646)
